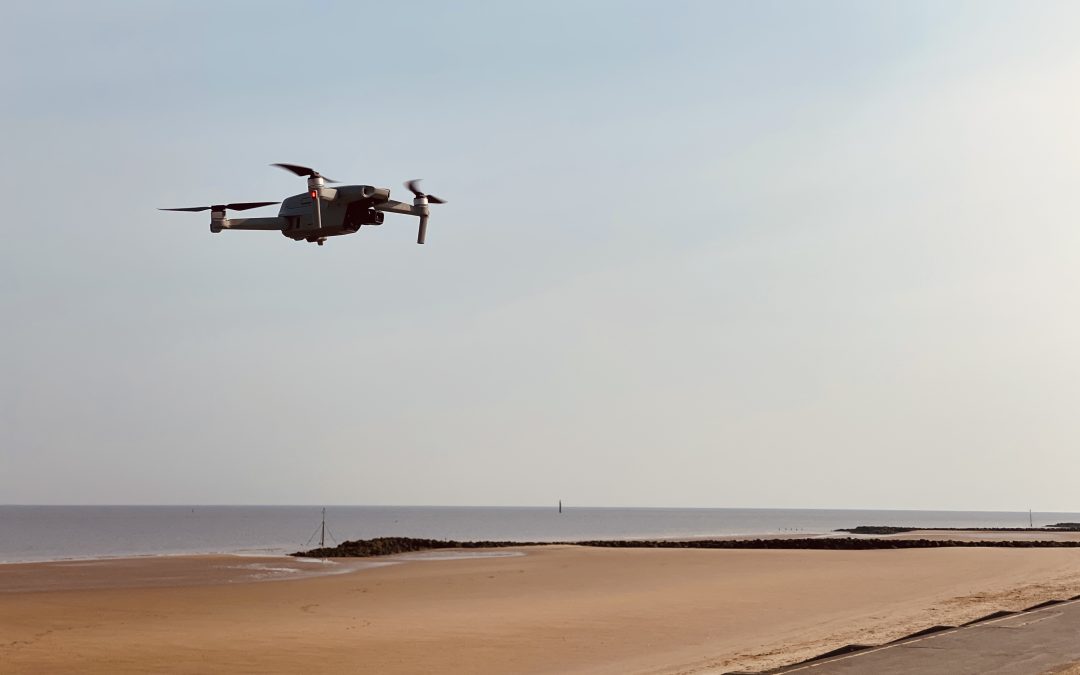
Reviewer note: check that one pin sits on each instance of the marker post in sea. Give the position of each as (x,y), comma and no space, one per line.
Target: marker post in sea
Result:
(322,531)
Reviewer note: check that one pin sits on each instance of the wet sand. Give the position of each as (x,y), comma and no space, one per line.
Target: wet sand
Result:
(555,609)
(166,571)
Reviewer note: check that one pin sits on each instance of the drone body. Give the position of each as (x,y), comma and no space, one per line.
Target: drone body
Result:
(324,212)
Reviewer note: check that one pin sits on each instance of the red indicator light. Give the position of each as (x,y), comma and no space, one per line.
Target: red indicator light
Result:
(313,193)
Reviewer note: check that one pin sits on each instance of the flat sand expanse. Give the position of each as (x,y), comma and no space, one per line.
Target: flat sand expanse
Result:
(555,609)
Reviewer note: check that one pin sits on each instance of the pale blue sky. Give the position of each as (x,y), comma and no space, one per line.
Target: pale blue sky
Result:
(753,254)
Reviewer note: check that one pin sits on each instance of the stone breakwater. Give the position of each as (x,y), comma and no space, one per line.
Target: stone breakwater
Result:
(381,546)
(362,548)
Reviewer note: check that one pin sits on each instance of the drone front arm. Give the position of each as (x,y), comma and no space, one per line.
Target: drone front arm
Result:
(418,208)
(253,224)
(391,206)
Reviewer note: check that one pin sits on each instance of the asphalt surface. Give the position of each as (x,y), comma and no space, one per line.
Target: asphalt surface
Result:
(1028,643)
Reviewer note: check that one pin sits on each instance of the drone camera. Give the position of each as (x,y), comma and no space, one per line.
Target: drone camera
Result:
(370,217)
(361,213)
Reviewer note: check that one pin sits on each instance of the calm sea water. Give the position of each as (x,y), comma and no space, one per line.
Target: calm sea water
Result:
(59,532)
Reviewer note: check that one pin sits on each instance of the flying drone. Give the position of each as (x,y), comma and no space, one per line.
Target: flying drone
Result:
(323,212)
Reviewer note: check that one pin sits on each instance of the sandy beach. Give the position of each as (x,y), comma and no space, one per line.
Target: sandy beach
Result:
(552,609)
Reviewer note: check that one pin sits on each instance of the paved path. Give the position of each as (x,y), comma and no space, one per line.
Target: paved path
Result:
(1031,643)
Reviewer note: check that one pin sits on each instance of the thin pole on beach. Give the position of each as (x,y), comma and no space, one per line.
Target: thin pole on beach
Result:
(322,532)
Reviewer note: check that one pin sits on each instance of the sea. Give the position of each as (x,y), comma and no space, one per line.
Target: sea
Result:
(41,533)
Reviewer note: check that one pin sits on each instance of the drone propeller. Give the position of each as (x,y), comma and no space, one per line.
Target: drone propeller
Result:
(412,186)
(236,206)
(304,171)
(421,201)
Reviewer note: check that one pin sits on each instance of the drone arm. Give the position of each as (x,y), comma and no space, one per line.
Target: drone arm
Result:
(418,208)
(391,206)
(254,224)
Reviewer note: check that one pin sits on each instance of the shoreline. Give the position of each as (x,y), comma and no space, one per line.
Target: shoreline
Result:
(141,556)
(34,532)
(287,551)
(982,534)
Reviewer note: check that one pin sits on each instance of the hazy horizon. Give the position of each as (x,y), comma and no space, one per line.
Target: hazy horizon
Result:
(740,254)
(551,506)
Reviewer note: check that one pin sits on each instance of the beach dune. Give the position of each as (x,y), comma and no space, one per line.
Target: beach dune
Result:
(553,609)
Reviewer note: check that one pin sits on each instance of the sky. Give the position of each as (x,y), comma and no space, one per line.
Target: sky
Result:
(695,254)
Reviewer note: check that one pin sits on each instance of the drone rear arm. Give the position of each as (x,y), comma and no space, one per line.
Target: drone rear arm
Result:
(253,224)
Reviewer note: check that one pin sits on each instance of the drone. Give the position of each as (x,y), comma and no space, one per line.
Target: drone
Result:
(323,212)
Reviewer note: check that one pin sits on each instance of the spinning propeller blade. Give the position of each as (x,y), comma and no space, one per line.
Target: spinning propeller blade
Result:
(303,171)
(412,187)
(235,206)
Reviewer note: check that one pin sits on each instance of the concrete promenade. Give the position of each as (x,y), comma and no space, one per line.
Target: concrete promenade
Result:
(1036,642)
